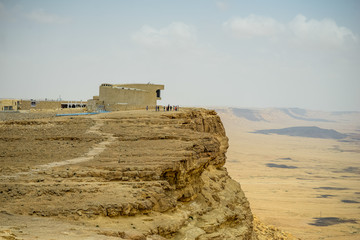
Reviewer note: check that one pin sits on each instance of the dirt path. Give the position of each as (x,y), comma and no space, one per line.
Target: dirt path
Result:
(94,151)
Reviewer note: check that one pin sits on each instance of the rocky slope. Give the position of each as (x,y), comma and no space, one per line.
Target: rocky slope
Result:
(143,175)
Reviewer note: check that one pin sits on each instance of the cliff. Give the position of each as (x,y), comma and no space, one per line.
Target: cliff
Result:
(131,175)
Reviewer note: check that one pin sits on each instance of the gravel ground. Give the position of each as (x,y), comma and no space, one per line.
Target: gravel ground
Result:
(9,116)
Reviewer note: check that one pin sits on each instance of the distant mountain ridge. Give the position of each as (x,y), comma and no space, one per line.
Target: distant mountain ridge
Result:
(312,132)
(249,114)
(257,115)
(302,112)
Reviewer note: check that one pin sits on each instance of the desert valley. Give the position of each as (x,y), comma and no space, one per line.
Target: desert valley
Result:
(303,178)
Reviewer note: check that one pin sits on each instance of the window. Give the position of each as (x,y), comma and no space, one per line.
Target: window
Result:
(158,93)
(33,103)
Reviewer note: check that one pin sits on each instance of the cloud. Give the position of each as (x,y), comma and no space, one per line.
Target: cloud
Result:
(177,34)
(325,32)
(41,16)
(253,26)
(300,31)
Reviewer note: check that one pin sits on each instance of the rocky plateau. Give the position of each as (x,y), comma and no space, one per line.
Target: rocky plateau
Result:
(122,175)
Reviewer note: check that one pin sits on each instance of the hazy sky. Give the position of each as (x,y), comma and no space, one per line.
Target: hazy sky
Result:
(207,53)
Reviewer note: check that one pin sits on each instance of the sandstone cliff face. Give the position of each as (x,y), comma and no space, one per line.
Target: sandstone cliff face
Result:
(147,175)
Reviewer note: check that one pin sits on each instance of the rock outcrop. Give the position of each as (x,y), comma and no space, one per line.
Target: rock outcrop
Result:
(146,175)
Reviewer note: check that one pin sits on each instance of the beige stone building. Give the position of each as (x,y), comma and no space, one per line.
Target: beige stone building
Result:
(112,97)
(9,104)
(115,97)
(16,104)
(50,104)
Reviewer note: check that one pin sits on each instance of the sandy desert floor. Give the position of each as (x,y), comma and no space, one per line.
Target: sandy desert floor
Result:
(307,186)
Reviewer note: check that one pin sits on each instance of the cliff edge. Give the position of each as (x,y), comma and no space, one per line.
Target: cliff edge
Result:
(122,175)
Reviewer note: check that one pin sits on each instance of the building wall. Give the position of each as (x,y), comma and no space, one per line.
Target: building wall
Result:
(124,107)
(147,87)
(9,104)
(126,96)
(94,105)
(26,104)
(116,97)
(42,105)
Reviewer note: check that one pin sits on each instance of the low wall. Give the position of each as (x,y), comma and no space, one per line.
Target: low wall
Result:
(126,107)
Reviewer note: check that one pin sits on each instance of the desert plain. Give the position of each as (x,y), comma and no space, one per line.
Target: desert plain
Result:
(309,186)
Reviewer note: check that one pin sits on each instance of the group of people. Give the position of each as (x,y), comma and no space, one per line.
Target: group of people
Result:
(165,108)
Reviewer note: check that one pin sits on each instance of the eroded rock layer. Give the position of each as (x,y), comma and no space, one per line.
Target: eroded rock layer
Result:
(146,175)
